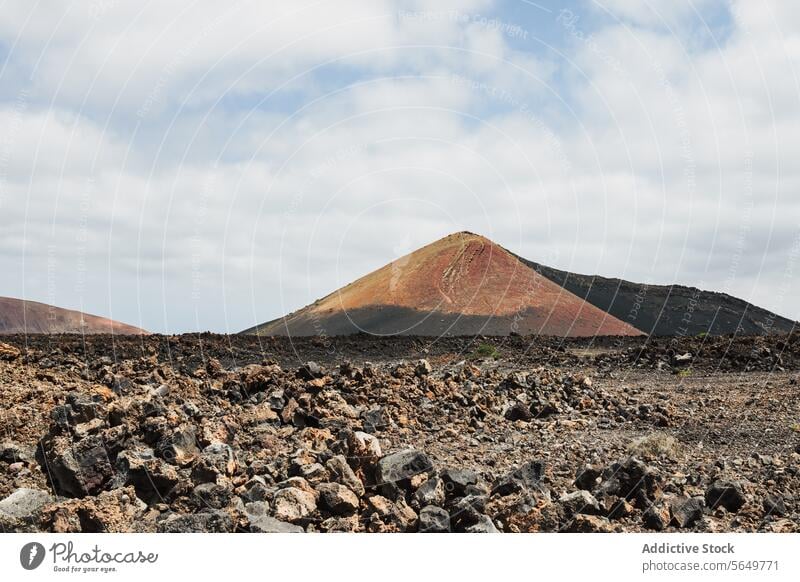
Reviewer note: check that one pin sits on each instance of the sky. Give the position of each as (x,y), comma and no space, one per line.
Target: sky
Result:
(197,165)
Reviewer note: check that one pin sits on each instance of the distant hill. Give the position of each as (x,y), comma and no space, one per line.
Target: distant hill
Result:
(29,317)
(669,310)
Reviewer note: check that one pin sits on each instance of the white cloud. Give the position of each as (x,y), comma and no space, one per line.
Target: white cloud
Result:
(640,156)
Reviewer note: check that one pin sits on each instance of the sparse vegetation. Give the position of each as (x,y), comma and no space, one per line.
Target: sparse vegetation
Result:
(484,351)
(655,446)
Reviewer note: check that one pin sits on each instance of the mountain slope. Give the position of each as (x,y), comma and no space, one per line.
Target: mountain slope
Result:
(463,284)
(669,310)
(29,317)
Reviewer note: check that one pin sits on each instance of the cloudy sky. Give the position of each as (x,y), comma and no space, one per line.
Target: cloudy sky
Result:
(199,165)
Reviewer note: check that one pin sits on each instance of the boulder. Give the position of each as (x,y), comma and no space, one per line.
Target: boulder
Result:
(519,411)
(152,478)
(212,495)
(255,489)
(590,524)
(727,494)
(364,449)
(434,519)
(180,448)
(423,368)
(483,524)
(217,459)
(397,468)
(267,524)
(207,521)
(457,481)
(656,517)
(11,452)
(686,511)
(580,502)
(375,419)
(632,480)
(293,504)
(9,353)
(76,470)
(310,371)
(337,498)
(431,492)
(109,512)
(587,477)
(774,506)
(528,477)
(339,469)
(23,505)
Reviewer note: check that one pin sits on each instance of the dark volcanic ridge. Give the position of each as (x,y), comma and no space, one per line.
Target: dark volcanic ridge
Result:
(18,316)
(669,310)
(466,285)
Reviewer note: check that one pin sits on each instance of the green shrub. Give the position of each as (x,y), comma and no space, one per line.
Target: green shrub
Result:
(485,351)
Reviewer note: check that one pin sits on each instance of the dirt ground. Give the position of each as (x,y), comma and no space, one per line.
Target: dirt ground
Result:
(218,433)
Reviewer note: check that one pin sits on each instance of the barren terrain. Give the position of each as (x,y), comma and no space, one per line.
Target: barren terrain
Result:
(357,433)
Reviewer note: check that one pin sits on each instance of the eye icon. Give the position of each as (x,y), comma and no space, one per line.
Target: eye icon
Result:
(31,555)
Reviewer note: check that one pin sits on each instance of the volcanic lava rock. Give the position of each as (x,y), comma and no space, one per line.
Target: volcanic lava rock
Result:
(727,494)
(434,519)
(76,470)
(213,495)
(267,524)
(109,512)
(580,502)
(527,477)
(632,480)
(483,524)
(310,371)
(208,521)
(587,477)
(423,368)
(457,481)
(590,524)
(431,492)
(337,499)
(9,353)
(519,411)
(774,506)
(22,507)
(217,459)
(11,452)
(180,448)
(337,466)
(401,466)
(293,504)
(656,517)
(388,516)
(468,511)
(375,419)
(255,489)
(686,511)
(152,478)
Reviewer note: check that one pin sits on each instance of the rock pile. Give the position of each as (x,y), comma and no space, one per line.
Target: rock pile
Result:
(141,446)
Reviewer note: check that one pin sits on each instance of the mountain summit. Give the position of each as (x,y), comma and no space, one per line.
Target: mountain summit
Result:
(463,284)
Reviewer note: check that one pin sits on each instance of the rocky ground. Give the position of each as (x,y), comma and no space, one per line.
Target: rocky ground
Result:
(217,433)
